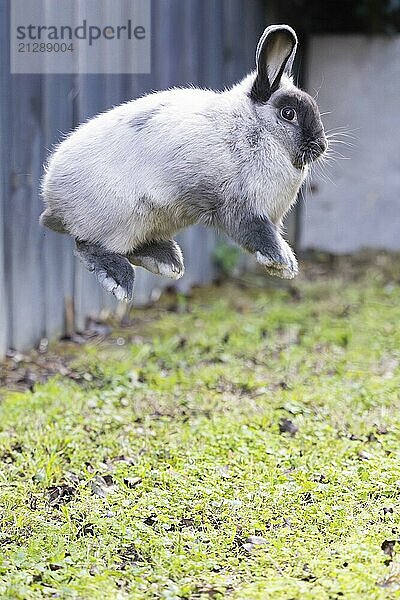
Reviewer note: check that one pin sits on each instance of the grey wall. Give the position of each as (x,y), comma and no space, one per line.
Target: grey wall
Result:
(358,79)
(202,42)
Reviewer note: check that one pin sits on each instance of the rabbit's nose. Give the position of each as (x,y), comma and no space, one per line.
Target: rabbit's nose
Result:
(322,144)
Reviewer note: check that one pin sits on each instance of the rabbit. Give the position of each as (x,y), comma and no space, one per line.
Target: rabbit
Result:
(123,183)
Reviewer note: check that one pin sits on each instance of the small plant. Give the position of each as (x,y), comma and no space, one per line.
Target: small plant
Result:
(226,258)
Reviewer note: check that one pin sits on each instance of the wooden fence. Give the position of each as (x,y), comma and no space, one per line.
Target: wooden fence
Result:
(205,42)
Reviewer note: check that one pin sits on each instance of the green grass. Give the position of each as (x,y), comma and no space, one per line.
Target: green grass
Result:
(149,476)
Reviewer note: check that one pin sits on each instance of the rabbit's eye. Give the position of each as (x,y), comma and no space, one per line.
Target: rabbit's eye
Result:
(287,113)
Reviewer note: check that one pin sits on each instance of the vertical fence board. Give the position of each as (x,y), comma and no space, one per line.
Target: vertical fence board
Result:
(58,260)
(22,209)
(23,206)
(255,21)
(213,44)
(4,167)
(234,43)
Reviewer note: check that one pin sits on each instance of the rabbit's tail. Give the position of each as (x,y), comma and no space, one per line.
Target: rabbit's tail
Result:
(52,221)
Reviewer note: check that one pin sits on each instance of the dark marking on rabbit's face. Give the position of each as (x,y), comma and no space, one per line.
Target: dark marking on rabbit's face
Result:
(289,114)
(299,125)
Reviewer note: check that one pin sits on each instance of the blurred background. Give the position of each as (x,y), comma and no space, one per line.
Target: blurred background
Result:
(349,56)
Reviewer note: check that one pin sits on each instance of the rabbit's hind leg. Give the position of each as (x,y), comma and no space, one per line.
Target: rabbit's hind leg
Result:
(113,271)
(162,257)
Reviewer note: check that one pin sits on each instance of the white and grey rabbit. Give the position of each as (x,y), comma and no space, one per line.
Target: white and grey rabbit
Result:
(126,181)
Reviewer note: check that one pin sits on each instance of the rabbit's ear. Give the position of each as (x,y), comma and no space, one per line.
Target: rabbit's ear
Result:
(275,55)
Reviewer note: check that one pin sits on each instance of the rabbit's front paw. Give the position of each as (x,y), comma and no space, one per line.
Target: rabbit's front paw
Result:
(279,260)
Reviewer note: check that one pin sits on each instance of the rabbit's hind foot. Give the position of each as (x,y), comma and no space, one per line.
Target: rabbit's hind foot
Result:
(113,271)
(163,257)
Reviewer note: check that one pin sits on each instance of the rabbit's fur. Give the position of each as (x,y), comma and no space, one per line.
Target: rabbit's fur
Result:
(126,181)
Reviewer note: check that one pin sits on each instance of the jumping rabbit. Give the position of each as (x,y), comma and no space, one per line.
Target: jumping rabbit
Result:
(123,183)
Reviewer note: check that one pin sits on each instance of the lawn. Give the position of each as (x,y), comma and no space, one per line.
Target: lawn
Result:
(239,443)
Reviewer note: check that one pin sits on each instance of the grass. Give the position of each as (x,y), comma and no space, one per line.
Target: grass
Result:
(242,443)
